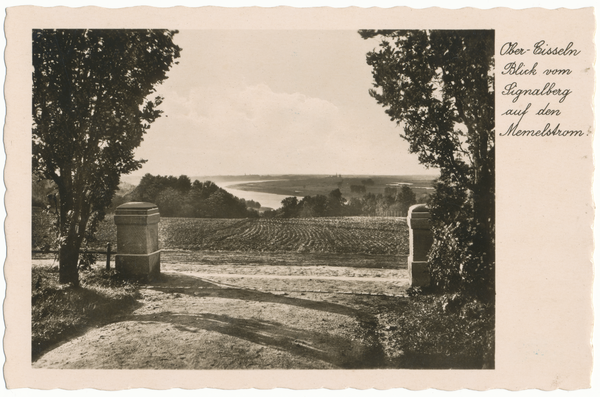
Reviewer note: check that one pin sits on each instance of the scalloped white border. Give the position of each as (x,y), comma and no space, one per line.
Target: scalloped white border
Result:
(416,4)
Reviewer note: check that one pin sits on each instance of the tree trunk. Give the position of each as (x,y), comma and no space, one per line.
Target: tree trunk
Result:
(74,215)
(67,259)
(484,214)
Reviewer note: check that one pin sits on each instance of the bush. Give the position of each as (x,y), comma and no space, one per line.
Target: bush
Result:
(459,259)
(61,311)
(441,331)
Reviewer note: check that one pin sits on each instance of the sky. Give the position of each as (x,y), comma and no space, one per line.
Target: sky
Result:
(273,102)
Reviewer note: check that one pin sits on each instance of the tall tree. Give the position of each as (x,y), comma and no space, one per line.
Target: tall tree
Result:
(90,111)
(335,203)
(439,86)
(289,207)
(406,197)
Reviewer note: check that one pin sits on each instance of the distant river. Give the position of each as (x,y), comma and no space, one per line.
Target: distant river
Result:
(265,199)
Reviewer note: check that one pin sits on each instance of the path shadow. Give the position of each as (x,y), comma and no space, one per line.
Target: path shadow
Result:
(338,351)
(363,352)
(199,287)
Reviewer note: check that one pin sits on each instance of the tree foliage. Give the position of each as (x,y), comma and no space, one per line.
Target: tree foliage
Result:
(90,111)
(439,87)
(358,189)
(336,205)
(178,197)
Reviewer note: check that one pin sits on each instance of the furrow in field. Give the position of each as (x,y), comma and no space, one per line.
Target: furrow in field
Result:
(359,235)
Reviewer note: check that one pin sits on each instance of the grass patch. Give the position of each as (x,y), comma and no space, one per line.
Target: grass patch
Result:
(60,312)
(440,331)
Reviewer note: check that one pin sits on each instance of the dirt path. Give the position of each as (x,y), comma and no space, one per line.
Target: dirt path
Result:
(202,317)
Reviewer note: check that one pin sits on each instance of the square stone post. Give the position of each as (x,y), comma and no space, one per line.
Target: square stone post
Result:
(137,239)
(420,241)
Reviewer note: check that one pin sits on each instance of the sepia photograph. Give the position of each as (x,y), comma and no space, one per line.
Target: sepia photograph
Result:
(263,199)
(299,198)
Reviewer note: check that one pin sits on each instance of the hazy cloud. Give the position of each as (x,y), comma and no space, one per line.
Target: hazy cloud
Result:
(258,102)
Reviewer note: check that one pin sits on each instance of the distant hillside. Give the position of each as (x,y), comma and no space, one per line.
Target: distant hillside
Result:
(312,185)
(135,180)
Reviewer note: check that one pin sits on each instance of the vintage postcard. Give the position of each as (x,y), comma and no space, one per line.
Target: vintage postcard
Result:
(240,198)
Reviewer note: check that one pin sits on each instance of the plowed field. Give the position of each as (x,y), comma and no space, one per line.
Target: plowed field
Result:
(351,235)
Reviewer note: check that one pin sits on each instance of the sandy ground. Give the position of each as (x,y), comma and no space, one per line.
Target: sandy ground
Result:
(207,315)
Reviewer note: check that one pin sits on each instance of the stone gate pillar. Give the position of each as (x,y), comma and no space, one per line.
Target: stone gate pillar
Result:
(137,239)
(420,240)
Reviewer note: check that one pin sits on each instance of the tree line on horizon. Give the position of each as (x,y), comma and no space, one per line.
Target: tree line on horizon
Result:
(391,203)
(180,197)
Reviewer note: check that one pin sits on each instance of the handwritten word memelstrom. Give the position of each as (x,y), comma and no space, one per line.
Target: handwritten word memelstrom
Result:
(514,130)
(511,89)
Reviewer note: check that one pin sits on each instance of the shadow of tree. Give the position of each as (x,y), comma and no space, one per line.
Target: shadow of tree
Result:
(362,351)
(196,286)
(338,351)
